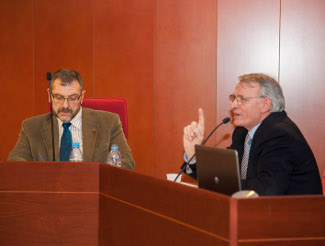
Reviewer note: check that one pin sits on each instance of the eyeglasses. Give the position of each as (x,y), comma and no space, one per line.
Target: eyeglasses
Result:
(71,99)
(241,99)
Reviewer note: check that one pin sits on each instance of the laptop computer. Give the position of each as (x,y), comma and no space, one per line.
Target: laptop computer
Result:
(217,169)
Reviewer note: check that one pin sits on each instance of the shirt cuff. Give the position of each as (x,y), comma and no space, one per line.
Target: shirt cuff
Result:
(186,160)
(188,169)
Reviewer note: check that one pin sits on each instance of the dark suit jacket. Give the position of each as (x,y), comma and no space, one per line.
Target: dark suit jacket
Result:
(280,161)
(100,130)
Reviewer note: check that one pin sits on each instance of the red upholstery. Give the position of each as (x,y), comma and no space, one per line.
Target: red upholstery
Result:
(114,105)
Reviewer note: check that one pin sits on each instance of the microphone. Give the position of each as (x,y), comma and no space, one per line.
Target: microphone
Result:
(49,78)
(224,121)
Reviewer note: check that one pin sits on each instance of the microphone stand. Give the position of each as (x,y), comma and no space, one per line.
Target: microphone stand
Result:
(49,77)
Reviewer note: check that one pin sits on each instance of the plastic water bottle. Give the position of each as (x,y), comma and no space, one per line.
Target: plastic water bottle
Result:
(76,154)
(114,156)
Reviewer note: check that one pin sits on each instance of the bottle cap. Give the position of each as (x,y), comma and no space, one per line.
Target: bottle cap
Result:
(75,145)
(114,146)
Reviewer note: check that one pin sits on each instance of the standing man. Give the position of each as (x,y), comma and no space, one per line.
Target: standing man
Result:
(275,158)
(95,130)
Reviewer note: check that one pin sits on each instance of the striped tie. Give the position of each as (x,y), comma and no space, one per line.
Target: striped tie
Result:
(244,163)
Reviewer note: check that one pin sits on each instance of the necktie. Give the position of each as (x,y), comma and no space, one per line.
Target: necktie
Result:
(66,143)
(244,163)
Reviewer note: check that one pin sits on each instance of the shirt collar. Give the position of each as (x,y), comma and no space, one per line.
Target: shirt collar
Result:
(252,131)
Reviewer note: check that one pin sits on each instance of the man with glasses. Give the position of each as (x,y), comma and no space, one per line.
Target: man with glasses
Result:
(274,156)
(95,130)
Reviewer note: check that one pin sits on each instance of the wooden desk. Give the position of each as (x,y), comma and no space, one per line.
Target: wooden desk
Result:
(47,203)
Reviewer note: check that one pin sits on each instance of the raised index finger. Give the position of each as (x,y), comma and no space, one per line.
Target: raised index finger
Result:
(201,117)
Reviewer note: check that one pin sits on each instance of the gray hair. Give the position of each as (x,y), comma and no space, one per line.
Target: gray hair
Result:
(269,87)
(67,76)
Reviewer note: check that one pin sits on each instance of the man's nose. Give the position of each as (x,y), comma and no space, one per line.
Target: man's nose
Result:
(234,104)
(65,103)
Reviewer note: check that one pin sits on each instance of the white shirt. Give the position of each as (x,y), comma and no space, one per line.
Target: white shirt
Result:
(75,128)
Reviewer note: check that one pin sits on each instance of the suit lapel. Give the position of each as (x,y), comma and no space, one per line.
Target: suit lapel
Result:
(89,134)
(46,133)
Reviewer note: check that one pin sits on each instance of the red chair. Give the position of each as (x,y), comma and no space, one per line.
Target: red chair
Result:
(114,105)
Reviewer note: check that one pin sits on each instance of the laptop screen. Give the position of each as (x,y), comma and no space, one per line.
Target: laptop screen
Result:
(217,169)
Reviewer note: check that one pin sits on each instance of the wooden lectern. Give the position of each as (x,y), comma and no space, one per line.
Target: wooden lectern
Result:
(52,203)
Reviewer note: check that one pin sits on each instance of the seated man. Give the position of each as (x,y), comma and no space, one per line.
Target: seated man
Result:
(275,158)
(95,130)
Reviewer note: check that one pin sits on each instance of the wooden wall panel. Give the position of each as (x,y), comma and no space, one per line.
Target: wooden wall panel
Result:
(164,57)
(248,42)
(64,34)
(301,71)
(124,67)
(185,74)
(16,77)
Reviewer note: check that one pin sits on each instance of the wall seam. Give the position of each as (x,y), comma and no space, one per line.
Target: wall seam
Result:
(94,48)
(279,41)
(154,90)
(216,110)
(33,66)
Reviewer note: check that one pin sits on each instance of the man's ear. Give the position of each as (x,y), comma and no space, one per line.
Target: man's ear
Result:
(48,95)
(82,96)
(267,105)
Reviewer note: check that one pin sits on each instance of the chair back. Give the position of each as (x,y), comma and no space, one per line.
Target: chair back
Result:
(114,105)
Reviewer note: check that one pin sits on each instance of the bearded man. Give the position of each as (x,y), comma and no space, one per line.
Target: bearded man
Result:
(95,130)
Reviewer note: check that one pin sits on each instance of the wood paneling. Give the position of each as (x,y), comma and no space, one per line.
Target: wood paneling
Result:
(261,226)
(16,77)
(167,58)
(159,230)
(248,42)
(49,203)
(59,177)
(124,67)
(259,223)
(98,204)
(185,74)
(64,33)
(161,192)
(49,219)
(301,69)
